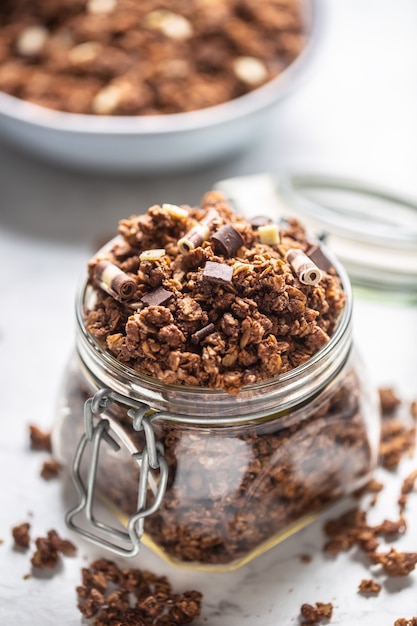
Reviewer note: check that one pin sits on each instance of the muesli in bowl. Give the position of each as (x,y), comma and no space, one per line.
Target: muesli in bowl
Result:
(122,85)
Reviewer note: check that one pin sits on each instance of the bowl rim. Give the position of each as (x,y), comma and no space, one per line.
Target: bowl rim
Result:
(260,98)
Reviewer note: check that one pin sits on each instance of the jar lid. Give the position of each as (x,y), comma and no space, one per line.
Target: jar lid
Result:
(372,232)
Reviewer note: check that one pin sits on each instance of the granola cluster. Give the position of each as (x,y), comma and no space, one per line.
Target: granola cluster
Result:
(203,297)
(124,57)
(48,549)
(133,597)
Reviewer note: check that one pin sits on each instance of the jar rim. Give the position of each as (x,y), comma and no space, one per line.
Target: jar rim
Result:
(284,391)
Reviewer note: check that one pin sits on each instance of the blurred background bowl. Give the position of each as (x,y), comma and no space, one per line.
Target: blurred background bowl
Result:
(155,143)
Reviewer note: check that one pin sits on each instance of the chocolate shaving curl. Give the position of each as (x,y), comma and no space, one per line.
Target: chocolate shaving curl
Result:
(114,281)
(307,272)
(198,233)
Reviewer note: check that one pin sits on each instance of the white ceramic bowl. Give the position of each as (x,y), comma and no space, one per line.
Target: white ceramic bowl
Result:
(152,143)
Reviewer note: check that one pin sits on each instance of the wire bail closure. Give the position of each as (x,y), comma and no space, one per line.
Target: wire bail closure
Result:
(150,457)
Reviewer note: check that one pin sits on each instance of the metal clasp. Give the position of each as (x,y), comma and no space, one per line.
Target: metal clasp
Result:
(150,457)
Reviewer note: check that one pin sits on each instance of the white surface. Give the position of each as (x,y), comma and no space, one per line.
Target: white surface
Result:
(356,117)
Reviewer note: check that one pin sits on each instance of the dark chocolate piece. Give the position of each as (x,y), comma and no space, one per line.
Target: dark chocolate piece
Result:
(202,333)
(260,220)
(219,273)
(157,297)
(226,241)
(317,255)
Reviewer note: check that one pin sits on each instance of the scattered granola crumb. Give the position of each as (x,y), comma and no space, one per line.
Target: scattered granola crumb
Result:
(402,621)
(21,535)
(395,563)
(306,558)
(389,400)
(39,440)
(369,586)
(133,597)
(48,549)
(398,437)
(316,614)
(50,469)
(373,486)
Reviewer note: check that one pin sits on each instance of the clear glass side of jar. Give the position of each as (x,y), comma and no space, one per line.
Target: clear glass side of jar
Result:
(235,491)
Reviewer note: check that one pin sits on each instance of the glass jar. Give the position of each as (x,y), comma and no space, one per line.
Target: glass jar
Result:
(209,479)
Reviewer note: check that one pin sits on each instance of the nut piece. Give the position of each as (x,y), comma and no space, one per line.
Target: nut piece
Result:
(106,100)
(84,52)
(170,24)
(250,70)
(31,41)
(152,255)
(175,211)
(101,6)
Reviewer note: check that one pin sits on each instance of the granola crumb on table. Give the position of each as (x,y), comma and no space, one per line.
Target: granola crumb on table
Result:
(39,440)
(49,548)
(369,586)
(133,597)
(316,614)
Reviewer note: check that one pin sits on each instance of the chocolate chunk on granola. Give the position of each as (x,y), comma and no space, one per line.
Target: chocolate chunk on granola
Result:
(227,241)
(217,273)
(157,297)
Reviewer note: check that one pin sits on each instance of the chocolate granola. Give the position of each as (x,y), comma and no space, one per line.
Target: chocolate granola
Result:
(263,318)
(118,57)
